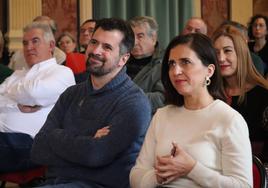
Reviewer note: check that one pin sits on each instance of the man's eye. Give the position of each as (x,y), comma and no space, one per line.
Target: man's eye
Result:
(107,47)
(92,42)
(35,41)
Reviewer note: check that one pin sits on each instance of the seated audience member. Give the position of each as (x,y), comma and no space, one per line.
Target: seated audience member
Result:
(18,61)
(4,70)
(4,51)
(85,34)
(244,85)
(2,44)
(258,32)
(244,31)
(93,135)
(144,65)
(67,43)
(75,61)
(195,25)
(27,96)
(197,140)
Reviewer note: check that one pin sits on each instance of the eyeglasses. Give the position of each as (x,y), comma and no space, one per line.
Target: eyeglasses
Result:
(90,30)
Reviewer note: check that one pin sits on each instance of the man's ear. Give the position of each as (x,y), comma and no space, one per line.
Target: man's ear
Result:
(52,46)
(154,38)
(124,58)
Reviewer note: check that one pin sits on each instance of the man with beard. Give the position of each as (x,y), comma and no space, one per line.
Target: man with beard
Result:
(144,65)
(94,133)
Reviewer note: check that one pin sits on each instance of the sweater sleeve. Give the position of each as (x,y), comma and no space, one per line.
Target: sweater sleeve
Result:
(128,122)
(142,174)
(236,163)
(41,152)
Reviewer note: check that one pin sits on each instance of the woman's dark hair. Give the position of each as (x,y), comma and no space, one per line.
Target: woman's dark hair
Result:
(251,22)
(205,51)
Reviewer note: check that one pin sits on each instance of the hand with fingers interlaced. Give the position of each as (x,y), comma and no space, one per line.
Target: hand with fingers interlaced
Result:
(172,166)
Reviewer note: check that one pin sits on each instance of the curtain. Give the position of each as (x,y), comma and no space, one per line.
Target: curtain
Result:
(171,15)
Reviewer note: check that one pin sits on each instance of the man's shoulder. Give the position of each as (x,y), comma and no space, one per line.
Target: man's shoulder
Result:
(57,67)
(74,91)
(135,93)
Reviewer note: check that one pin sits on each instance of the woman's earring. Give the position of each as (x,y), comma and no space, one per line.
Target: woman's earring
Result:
(207,81)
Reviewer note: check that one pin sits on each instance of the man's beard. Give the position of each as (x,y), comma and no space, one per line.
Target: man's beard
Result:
(100,70)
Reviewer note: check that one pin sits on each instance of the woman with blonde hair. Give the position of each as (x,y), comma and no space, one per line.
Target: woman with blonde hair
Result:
(67,43)
(245,87)
(74,60)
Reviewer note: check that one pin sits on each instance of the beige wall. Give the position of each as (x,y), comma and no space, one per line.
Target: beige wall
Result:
(19,14)
(241,10)
(22,12)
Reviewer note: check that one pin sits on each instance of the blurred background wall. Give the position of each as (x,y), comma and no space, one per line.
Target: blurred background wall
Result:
(69,14)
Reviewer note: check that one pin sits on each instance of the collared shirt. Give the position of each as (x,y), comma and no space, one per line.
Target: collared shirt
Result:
(40,85)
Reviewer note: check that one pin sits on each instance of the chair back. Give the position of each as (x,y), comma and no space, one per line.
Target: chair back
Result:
(22,177)
(259,174)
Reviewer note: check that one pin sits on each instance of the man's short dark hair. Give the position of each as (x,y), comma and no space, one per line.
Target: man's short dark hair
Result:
(88,21)
(109,24)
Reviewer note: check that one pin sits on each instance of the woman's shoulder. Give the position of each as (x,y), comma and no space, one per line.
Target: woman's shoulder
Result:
(258,92)
(224,111)
(168,108)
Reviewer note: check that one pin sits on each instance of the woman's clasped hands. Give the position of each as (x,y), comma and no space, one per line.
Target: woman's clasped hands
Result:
(175,165)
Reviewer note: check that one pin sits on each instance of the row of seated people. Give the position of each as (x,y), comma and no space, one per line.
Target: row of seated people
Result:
(189,87)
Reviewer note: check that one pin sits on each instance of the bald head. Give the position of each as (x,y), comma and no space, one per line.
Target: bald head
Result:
(195,25)
(47,20)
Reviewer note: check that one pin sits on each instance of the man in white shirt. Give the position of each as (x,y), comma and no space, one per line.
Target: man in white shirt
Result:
(28,95)
(18,61)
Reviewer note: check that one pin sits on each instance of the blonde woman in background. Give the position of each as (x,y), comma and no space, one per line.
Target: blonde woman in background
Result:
(66,42)
(244,85)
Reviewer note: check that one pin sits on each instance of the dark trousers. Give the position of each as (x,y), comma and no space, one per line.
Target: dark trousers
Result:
(15,151)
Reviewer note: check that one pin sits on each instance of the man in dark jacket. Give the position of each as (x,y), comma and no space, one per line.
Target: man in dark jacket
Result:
(144,65)
(94,133)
